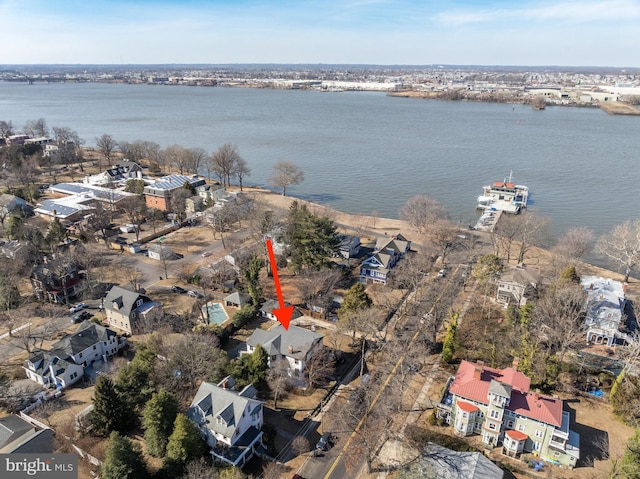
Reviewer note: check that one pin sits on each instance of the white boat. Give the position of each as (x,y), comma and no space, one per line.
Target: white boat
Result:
(504,196)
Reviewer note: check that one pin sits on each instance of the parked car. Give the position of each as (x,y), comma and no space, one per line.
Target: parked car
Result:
(77,307)
(441,273)
(324,442)
(206,254)
(194,294)
(81,316)
(178,289)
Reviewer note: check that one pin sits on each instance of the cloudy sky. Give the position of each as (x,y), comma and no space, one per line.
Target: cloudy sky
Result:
(386,32)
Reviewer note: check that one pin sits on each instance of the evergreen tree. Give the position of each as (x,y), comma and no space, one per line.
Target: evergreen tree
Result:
(56,233)
(123,459)
(449,344)
(14,227)
(355,300)
(252,276)
(185,445)
(158,418)
(133,381)
(110,411)
(312,239)
(250,368)
(570,275)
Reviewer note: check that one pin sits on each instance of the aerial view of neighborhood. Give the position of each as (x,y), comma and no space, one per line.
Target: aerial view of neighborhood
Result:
(380,239)
(167,323)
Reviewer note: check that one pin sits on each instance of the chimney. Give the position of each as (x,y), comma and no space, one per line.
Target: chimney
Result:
(290,349)
(477,372)
(624,288)
(225,384)
(515,363)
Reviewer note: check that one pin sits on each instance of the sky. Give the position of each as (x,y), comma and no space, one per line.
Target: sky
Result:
(381,32)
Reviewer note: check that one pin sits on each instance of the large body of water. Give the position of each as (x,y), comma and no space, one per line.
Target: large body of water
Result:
(365,152)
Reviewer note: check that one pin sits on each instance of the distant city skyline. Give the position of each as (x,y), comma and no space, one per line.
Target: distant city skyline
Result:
(382,32)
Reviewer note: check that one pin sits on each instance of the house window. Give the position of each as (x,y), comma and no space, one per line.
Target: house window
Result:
(539,433)
(465,415)
(492,426)
(509,424)
(494,414)
(521,427)
(536,446)
(80,355)
(94,347)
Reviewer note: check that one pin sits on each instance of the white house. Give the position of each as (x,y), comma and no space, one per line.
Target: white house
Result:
(266,310)
(65,362)
(297,345)
(229,421)
(517,285)
(605,311)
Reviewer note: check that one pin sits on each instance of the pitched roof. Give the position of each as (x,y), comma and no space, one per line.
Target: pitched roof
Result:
(11,428)
(439,462)
(221,408)
(521,276)
(468,407)
(280,341)
(237,297)
(124,299)
(270,304)
(517,435)
(473,381)
(86,335)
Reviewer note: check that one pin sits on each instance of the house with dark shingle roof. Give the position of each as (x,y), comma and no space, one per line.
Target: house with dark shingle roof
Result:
(517,286)
(439,462)
(123,307)
(266,310)
(237,299)
(497,404)
(64,364)
(297,345)
(229,421)
(20,436)
(376,268)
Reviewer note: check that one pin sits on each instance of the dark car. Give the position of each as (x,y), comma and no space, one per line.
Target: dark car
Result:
(78,318)
(324,442)
(178,289)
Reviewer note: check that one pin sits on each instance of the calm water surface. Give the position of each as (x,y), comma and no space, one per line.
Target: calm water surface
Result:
(362,152)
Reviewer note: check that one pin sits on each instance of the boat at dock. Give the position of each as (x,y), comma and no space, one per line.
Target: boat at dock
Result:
(504,196)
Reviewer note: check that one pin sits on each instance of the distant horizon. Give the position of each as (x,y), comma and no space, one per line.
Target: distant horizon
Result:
(320,65)
(340,32)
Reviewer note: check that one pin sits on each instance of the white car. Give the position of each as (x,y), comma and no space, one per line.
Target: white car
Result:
(206,254)
(193,294)
(77,307)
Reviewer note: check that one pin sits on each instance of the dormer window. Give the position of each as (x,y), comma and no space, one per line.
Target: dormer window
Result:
(116,306)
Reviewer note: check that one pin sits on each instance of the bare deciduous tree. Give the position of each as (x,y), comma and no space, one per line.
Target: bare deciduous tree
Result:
(135,209)
(422,211)
(241,170)
(286,173)
(277,379)
(224,162)
(36,128)
(106,146)
(621,246)
(575,244)
(443,234)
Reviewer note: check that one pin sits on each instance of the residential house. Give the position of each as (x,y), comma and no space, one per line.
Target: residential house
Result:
(297,345)
(605,319)
(10,203)
(229,421)
(159,252)
(56,281)
(51,370)
(158,193)
(64,364)
(18,436)
(378,265)
(211,193)
(348,246)
(124,308)
(193,205)
(237,299)
(517,286)
(439,462)
(13,249)
(498,405)
(266,310)
(116,174)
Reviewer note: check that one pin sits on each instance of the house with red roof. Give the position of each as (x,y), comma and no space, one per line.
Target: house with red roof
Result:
(498,405)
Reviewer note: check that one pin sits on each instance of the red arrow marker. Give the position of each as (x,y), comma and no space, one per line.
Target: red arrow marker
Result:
(283,313)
